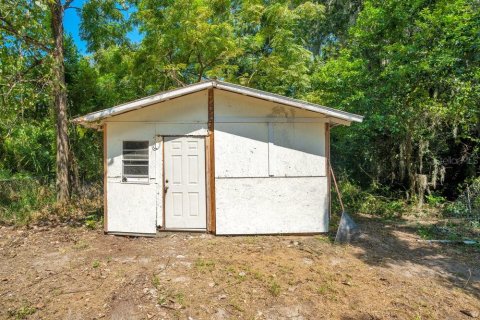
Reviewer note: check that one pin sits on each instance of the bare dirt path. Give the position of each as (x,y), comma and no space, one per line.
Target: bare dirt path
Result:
(74,273)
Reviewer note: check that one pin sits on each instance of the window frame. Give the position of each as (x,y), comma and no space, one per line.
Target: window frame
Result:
(139,179)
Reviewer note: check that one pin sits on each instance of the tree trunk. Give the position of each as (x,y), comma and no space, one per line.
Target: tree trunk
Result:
(60,96)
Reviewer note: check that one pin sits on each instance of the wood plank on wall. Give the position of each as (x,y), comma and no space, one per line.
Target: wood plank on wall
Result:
(211,227)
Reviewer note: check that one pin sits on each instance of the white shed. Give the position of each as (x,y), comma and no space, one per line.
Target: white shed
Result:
(216,157)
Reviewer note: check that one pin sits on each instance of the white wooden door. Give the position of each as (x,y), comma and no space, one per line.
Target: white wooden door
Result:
(185,199)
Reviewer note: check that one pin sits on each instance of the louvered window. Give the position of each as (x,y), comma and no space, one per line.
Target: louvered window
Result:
(135,161)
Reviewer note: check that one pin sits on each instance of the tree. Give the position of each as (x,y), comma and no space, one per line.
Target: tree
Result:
(186,41)
(412,69)
(60,99)
(38,26)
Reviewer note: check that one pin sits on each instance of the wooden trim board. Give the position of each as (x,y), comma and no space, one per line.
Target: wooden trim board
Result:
(105,163)
(207,180)
(210,164)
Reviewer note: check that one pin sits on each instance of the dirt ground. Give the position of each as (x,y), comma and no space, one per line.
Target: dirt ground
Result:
(75,273)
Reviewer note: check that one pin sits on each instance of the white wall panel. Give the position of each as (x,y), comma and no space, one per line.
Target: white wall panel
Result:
(186,109)
(241,150)
(181,129)
(297,149)
(228,105)
(131,208)
(271,205)
(119,132)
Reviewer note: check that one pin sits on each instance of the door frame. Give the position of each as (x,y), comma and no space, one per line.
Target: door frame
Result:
(207,182)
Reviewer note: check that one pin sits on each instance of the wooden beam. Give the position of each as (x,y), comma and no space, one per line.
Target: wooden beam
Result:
(210,149)
(105,164)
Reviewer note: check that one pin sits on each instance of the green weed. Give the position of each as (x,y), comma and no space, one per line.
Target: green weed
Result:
(23,312)
(204,265)
(274,288)
(95,264)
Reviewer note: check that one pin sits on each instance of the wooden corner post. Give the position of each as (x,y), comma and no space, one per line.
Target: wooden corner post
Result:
(105,178)
(210,153)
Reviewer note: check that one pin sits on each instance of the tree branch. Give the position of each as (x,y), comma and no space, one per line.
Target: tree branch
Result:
(72,7)
(67,4)
(9,27)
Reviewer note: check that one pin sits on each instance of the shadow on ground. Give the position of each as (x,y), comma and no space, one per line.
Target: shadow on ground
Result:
(397,246)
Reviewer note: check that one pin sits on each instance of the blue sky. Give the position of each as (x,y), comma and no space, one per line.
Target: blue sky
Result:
(72,26)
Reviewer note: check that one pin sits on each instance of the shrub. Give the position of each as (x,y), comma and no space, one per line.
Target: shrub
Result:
(435,200)
(371,201)
(21,196)
(24,200)
(467,205)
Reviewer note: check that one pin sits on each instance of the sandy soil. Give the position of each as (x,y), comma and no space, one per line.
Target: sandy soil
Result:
(74,273)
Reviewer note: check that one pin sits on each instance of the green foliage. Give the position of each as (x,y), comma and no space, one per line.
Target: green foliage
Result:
(95,264)
(29,147)
(412,68)
(105,23)
(92,221)
(23,312)
(426,232)
(274,288)
(448,231)
(204,265)
(195,38)
(435,200)
(19,197)
(467,205)
(374,201)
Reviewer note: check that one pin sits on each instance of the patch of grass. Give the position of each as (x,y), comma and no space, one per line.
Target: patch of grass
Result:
(179,298)
(323,289)
(80,245)
(274,288)
(323,238)
(231,269)
(257,275)
(434,232)
(93,221)
(23,312)
(162,299)
(95,264)
(204,265)
(167,295)
(236,305)
(155,281)
(241,276)
(327,289)
(285,268)
(426,232)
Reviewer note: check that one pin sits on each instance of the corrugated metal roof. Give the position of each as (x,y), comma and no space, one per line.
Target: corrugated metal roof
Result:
(93,118)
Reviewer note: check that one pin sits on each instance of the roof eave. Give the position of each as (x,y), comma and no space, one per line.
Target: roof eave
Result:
(143,102)
(272,97)
(96,119)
